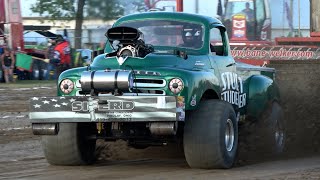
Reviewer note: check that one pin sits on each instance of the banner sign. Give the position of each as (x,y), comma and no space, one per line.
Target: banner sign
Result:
(275,52)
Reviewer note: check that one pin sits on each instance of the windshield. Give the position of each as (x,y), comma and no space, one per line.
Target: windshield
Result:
(244,7)
(169,33)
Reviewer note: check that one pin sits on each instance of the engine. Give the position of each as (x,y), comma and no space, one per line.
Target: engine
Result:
(128,42)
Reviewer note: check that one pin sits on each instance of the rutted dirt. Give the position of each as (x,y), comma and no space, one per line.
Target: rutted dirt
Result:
(21,156)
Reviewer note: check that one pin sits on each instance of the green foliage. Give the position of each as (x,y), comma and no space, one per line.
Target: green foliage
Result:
(57,9)
(104,9)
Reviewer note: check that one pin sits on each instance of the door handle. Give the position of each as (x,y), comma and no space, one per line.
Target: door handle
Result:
(231,64)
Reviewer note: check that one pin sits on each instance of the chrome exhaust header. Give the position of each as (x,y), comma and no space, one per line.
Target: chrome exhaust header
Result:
(163,128)
(45,128)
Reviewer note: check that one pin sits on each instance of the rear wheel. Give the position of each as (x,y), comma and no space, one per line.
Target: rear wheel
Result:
(71,146)
(273,129)
(211,135)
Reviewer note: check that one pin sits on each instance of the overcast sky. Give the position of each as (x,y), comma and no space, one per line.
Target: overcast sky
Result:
(208,7)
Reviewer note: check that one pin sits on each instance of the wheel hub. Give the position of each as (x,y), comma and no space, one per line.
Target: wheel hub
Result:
(229,135)
(279,135)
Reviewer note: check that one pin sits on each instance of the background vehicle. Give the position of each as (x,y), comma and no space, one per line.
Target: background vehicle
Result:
(241,27)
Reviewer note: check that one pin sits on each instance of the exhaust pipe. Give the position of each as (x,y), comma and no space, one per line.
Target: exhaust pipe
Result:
(163,128)
(45,128)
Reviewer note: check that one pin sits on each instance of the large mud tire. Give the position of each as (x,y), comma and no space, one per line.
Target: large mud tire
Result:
(71,146)
(211,135)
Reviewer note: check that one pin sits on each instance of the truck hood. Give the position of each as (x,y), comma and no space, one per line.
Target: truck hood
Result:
(150,61)
(165,64)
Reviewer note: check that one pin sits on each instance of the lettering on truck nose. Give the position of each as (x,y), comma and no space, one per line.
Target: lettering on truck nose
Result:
(84,106)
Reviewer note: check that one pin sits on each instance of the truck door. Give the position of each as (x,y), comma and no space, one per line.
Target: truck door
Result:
(220,51)
(231,84)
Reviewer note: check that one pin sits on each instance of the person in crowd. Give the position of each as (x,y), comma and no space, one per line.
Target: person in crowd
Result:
(248,12)
(8,62)
(62,53)
(53,63)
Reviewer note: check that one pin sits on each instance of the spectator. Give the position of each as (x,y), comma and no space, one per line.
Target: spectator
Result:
(52,65)
(62,54)
(248,12)
(7,62)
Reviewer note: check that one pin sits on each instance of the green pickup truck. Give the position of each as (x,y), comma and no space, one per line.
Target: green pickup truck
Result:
(164,77)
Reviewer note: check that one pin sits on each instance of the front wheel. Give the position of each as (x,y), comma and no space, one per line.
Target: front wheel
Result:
(211,135)
(71,146)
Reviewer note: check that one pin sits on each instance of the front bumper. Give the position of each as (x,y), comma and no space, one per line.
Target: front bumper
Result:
(107,109)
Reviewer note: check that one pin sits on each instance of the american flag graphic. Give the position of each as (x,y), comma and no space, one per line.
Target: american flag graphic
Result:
(105,109)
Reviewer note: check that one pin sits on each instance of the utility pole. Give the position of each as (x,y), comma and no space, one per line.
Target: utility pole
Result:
(179,5)
(197,7)
(314,18)
(291,16)
(299,31)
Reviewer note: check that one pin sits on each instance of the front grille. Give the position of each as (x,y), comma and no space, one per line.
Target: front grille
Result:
(149,83)
(146,91)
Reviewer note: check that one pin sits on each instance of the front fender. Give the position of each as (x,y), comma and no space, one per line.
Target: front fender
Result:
(262,91)
(199,83)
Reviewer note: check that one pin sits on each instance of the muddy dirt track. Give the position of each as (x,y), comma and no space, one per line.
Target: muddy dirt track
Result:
(21,156)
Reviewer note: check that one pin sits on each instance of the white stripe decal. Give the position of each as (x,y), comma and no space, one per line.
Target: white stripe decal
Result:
(68,114)
(169,105)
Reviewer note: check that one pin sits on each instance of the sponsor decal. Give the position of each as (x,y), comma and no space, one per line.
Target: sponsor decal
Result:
(193,101)
(239,33)
(263,35)
(116,115)
(232,90)
(239,16)
(199,63)
(181,108)
(239,24)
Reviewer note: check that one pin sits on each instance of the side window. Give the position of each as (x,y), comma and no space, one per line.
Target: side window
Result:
(216,42)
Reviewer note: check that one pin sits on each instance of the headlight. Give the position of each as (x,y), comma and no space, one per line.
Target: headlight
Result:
(66,86)
(176,85)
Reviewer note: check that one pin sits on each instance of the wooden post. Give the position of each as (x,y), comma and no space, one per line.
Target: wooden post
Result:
(179,5)
(314,18)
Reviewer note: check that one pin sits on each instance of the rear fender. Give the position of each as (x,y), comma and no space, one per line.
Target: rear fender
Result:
(262,91)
